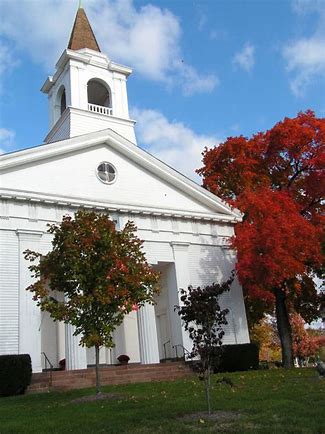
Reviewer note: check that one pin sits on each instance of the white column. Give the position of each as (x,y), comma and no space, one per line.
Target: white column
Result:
(126,339)
(180,251)
(173,300)
(60,340)
(148,341)
(29,313)
(75,355)
(76,89)
(235,301)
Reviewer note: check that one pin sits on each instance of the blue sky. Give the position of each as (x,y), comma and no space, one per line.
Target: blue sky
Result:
(203,70)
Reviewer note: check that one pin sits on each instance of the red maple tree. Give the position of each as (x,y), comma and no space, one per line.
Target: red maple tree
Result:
(304,345)
(276,179)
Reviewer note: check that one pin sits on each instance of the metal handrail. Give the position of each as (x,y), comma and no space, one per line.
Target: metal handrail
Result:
(185,350)
(47,360)
(164,346)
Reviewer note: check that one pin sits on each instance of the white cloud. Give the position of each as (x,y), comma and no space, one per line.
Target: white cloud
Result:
(171,141)
(245,58)
(7,62)
(193,83)
(305,59)
(147,38)
(305,56)
(202,21)
(307,6)
(7,139)
(39,29)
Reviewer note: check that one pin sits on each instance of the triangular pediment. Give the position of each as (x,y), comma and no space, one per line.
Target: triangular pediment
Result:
(68,169)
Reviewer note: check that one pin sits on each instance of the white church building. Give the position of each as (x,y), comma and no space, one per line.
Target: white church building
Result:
(90,159)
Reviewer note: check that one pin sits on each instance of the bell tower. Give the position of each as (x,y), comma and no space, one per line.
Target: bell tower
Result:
(87,92)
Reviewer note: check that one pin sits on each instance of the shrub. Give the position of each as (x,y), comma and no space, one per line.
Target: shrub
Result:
(240,357)
(15,374)
(123,359)
(62,364)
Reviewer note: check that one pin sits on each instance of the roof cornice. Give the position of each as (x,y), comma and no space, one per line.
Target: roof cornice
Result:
(102,205)
(87,57)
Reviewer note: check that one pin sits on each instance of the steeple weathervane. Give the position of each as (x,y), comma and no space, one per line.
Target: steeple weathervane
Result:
(82,35)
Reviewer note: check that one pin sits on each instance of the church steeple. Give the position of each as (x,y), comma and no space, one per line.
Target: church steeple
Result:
(82,35)
(87,92)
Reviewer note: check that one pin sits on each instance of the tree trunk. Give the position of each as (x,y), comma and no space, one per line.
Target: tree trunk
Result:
(284,328)
(207,388)
(97,370)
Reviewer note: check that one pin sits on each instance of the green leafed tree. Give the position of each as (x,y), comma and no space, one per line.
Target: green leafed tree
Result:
(204,319)
(100,272)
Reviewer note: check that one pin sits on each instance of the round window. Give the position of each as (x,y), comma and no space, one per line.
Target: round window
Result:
(106,172)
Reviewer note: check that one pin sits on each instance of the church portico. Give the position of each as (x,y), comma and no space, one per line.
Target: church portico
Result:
(174,246)
(90,160)
(169,328)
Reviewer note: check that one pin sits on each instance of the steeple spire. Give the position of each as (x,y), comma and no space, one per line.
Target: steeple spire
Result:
(87,92)
(82,35)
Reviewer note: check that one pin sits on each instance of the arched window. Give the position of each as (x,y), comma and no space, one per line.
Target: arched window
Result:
(63,102)
(99,97)
(60,103)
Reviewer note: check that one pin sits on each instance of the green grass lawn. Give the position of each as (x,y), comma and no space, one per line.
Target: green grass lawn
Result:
(275,401)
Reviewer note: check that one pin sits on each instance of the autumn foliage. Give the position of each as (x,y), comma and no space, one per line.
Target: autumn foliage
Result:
(305,344)
(277,180)
(274,242)
(93,276)
(264,334)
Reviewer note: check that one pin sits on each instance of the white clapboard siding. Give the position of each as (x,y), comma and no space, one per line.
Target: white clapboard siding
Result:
(62,130)
(9,292)
(208,264)
(156,252)
(230,336)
